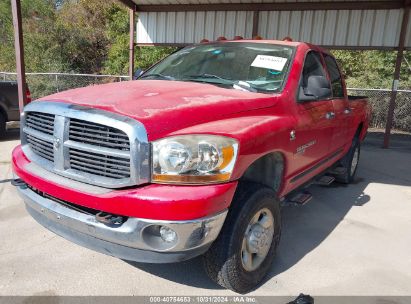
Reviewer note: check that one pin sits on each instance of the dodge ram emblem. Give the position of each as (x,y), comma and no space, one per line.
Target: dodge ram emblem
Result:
(56,143)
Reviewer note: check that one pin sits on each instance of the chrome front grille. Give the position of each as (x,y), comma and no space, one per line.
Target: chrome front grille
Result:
(40,127)
(41,122)
(102,165)
(86,144)
(98,135)
(40,147)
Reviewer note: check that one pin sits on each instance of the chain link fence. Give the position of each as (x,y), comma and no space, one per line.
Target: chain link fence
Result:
(380,100)
(42,84)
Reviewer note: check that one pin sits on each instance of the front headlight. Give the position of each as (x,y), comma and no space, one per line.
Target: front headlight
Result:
(193,159)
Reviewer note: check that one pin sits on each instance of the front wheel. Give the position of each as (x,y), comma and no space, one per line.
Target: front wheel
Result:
(243,253)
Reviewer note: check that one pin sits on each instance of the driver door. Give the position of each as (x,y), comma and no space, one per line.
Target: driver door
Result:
(314,128)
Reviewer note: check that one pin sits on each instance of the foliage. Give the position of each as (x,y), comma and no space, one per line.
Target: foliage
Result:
(80,34)
(38,16)
(83,36)
(118,34)
(373,69)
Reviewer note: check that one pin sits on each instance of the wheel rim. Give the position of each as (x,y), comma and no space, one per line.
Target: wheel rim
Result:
(257,239)
(355,159)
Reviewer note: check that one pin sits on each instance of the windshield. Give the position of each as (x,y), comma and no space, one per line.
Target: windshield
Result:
(255,67)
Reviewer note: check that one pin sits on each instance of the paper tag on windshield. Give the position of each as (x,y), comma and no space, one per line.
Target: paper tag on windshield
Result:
(269,62)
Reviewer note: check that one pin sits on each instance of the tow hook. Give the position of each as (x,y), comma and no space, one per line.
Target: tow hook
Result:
(19,183)
(110,219)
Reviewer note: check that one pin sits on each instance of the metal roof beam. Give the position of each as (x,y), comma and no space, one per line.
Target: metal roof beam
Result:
(132,32)
(129,3)
(284,6)
(19,49)
(330,47)
(393,97)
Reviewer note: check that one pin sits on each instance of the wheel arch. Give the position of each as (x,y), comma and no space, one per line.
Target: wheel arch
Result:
(359,133)
(267,170)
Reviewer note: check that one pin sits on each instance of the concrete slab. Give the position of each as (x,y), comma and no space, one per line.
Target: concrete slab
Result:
(349,240)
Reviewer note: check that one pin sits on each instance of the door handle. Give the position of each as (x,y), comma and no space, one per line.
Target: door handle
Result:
(347,110)
(330,115)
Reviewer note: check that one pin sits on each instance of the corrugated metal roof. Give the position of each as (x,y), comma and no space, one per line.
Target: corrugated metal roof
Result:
(191,27)
(368,28)
(343,28)
(156,2)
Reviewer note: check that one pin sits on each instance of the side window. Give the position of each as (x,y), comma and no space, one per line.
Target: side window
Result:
(312,67)
(335,76)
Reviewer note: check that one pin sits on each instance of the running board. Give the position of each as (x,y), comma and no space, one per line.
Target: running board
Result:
(337,171)
(298,199)
(324,180)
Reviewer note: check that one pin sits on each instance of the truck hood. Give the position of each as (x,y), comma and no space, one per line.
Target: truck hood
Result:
(165,106)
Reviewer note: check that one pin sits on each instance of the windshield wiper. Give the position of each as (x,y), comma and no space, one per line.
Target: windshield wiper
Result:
(157,75)
(210,76)
(245,86)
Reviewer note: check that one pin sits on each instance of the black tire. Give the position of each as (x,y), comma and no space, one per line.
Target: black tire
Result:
(2,125)
(222,261)
(347,163)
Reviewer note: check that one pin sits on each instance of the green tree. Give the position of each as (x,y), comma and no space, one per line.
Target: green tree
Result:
(373,69)
(118,49)
(80,32)
(41,53)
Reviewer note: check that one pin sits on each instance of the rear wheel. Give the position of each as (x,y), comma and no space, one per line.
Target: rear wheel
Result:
(243,253)
(350,163)
(2,125)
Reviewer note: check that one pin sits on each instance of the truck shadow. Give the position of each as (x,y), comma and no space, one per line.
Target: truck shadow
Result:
(305,227)
(189,273)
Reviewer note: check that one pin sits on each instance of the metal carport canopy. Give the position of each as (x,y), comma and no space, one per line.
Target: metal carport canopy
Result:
(347,24)
(360,24)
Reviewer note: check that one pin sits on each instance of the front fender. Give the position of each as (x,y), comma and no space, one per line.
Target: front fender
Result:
(257,136)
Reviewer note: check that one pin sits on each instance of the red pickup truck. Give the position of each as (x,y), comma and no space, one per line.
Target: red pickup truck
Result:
(195,157)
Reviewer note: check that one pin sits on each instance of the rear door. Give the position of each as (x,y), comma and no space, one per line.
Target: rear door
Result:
(313,128)
(342,111)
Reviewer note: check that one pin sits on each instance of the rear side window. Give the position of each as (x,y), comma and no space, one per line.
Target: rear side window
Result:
(335,76)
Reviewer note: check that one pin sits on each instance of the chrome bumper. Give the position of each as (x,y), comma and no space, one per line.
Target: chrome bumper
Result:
(136,239)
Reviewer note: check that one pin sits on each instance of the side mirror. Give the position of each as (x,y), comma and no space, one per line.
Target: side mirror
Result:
(138,73)
(318,86)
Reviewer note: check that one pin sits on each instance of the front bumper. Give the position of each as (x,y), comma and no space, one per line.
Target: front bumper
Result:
(135,239)
(151,201)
